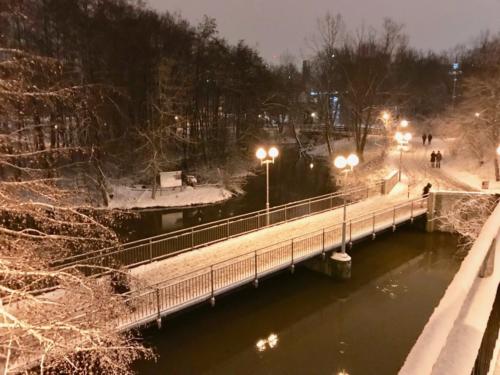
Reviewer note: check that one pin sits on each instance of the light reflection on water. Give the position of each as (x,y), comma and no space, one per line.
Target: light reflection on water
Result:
(366,325)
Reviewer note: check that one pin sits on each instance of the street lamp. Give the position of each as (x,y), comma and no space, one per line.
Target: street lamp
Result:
(346,165)
(404,123)
(262,155)
(403,140)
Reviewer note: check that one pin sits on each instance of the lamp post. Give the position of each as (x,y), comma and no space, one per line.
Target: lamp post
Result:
(403,140)
(262,155)
(346,165)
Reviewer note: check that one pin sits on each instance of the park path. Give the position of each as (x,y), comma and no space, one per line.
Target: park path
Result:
(417,168)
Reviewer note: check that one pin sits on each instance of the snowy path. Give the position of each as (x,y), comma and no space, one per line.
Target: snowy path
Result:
(418,171)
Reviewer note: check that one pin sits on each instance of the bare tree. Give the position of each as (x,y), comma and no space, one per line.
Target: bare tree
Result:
(467,216)
(478,117)
(330,31)
(57,320)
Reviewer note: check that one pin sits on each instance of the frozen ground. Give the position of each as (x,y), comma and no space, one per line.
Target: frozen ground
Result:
(136,197)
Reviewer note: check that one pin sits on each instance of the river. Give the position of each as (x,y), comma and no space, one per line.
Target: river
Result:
(311,324)
(291,179)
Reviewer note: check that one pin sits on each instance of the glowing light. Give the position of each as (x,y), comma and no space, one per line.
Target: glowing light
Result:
(498,150)
(340,162)
(261,345)
(311,166)
(314,115)
(404,123)
(477,114)
(386,116)
(176,118)
(272,340)
(273,152)
(261,154)
(352,160)
(407,137)
(399,136)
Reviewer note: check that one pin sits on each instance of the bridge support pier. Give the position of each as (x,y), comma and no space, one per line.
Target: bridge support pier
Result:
(337,266)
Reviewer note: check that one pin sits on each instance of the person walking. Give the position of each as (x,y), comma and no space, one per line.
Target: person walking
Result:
(424,138)
(429,138)
(425,191)
(433,159)
(439,157)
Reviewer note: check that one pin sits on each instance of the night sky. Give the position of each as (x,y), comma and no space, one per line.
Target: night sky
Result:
(275,26)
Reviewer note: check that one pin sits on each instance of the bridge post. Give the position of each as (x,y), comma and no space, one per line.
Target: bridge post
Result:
(394,220)
(340,266)
(374,234)
(323,245)
(256,280)
(150,251)
(212,298)
(158,317)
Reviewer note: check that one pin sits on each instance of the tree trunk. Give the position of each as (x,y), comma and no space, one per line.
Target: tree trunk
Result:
(497,169)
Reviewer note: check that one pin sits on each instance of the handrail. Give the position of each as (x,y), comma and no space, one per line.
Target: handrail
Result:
(276,244)
(214,225)
(451,339)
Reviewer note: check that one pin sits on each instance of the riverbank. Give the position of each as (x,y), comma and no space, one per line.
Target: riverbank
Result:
(128,197)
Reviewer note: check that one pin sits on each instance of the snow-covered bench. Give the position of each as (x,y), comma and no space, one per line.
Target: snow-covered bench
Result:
(171,179)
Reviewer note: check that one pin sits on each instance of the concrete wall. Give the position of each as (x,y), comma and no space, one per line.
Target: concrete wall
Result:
(389,182)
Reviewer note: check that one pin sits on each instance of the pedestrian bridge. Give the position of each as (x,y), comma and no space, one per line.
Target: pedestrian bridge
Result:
(174,271)
(206,283)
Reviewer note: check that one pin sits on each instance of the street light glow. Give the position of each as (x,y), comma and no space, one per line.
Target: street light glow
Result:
(407,137)
(261,154)
(399,136)
(404,123)
(352,160)
(477,114)
(273,152)
(498,150)
(340,162)
(314,115)
(386,116)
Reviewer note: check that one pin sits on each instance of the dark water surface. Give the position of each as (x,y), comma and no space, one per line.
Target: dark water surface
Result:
(364,326)
(291,179)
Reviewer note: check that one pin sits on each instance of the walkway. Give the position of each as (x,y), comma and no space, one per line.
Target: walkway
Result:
(201,275)
(193,260)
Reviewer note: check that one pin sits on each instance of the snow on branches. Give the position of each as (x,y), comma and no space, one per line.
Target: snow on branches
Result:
(59,321)
(467,216)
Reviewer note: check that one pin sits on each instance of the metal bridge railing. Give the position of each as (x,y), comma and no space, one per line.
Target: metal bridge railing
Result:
(154,248)
(173,295)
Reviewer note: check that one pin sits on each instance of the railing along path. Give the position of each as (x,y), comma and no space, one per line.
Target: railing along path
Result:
(165,245)
(169,296)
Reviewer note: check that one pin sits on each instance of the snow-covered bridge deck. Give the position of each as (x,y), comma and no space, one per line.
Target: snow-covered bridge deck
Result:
(176,283)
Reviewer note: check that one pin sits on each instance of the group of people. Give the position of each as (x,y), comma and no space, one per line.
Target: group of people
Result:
(436,158)
(426,137)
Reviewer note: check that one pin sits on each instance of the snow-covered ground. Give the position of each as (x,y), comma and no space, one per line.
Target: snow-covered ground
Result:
(136,197)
